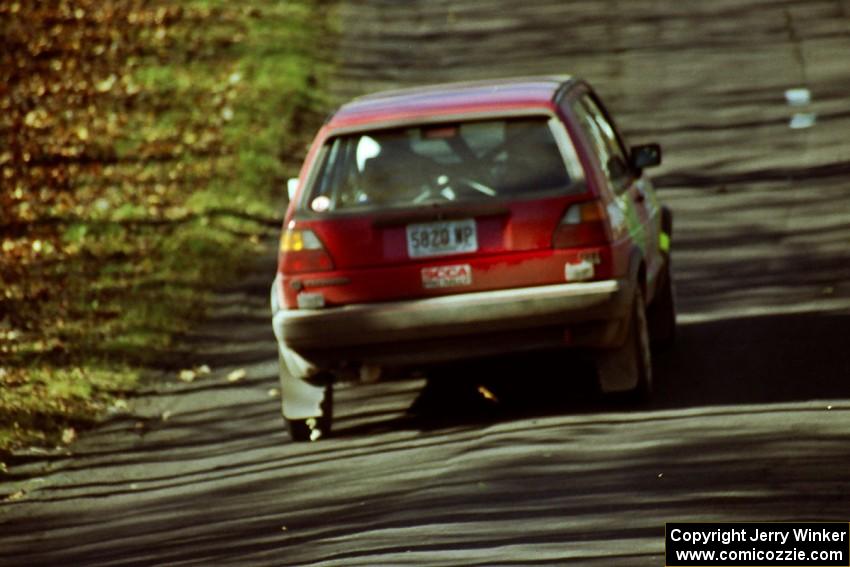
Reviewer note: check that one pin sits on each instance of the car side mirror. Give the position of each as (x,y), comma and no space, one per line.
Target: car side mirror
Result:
(292,188)
(648,155)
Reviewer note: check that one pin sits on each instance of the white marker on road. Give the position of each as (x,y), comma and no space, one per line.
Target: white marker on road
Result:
(803,120)
(798,96)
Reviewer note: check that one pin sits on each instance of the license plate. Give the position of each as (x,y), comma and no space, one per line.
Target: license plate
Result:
(441,238)
(437,277)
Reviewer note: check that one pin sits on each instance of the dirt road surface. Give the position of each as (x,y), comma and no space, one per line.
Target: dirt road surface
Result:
(752,417)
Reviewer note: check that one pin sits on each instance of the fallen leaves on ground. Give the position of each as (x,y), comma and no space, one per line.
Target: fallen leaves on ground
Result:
(119,406)
(18,495)
(487,394)
(139,161)
(237,375)
(187,376)
(69,435)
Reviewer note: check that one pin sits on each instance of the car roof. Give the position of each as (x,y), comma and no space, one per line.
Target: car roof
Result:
(451,99)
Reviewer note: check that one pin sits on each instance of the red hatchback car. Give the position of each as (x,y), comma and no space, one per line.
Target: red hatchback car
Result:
(469,220)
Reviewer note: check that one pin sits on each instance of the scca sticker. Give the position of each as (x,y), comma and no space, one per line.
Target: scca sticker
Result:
(436,277)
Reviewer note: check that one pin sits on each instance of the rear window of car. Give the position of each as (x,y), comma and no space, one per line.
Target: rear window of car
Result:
(468,161)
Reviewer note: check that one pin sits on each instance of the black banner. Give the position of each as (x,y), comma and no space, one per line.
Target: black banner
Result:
(758,544)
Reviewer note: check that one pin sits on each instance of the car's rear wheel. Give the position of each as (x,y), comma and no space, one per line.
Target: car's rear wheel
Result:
(627,370)
(314,428)
(662,313)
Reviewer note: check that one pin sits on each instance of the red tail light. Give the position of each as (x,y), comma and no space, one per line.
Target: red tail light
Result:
(584,224)
(303,252)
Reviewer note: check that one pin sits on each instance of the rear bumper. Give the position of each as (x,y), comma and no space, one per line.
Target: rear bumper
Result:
(457,326)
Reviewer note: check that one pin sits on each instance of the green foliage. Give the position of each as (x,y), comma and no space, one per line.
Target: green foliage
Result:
(133,183)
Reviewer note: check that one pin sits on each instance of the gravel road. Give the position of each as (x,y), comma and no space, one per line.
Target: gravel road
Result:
(752,417)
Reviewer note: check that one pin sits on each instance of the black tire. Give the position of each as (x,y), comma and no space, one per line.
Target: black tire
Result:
(661,315)
(631,363)
(314,428)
